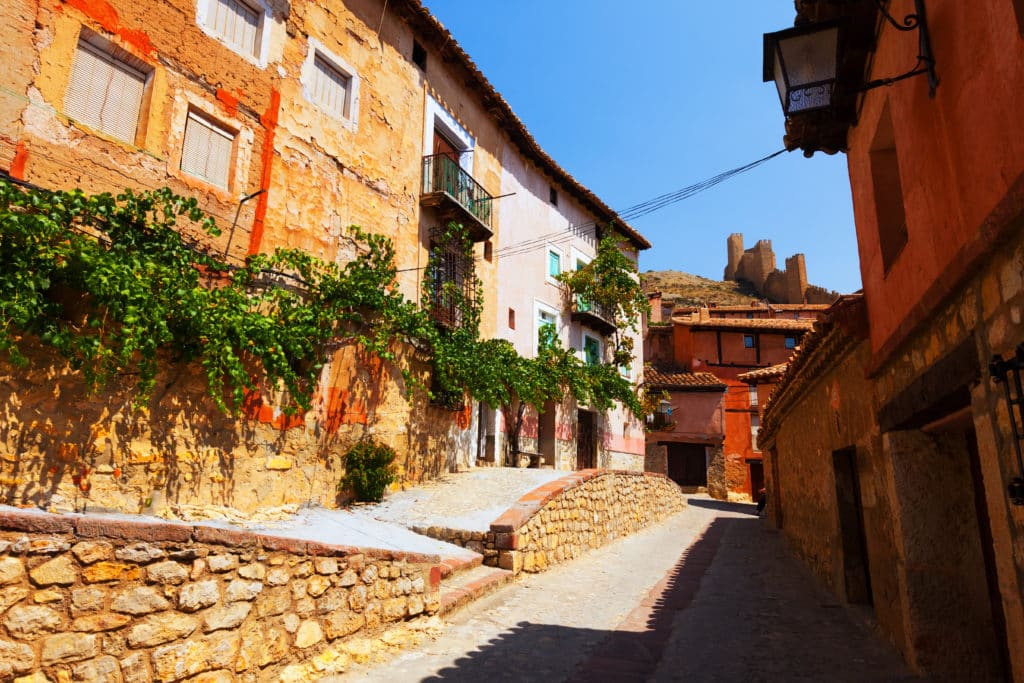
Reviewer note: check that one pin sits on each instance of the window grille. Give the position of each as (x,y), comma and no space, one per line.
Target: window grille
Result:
(451,281)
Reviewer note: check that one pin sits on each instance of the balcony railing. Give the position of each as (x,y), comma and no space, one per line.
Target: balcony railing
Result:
(447,187)
(601,318)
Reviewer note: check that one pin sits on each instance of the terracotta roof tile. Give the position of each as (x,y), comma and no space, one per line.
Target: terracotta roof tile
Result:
(671,377)
(770,372)
(781,324)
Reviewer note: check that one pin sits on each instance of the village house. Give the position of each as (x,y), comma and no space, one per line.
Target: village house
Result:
(710,349)
(289,122)
(893,463)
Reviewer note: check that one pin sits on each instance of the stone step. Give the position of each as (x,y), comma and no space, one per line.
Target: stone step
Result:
(468,585)
(454,565)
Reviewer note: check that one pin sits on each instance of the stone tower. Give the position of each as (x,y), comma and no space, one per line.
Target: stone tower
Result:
(734,246)
(796,278)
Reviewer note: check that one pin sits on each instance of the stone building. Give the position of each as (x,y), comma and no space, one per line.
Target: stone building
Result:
(756,265)
(889,443)
(288,122)
(702,360)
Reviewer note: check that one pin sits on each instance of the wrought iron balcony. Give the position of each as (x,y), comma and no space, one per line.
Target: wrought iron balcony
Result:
(456,195)
(600,318)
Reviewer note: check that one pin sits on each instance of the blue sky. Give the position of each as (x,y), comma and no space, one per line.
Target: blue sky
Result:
(642,98)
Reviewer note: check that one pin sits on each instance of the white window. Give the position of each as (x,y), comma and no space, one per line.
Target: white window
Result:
(239,24)
(752,392)
(546,318)
(105,90)
(755,427)
(331,84)
(207,151)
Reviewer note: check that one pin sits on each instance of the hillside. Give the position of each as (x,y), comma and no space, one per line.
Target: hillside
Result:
(692,290)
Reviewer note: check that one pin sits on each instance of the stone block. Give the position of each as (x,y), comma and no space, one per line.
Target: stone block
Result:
(48,596)
(58,571)
(140,553)
(12,570)
(25,621)
(161,628)
(228,616)
(305,607)
(180,660)
(139,601)
(511,560)
(169,572)
(68,647)
(273,601)
(19,657)
(86,600)
(278,576)
(36,677)
(348,578)
(222,563)
(110,571)
(195,596)
(105,621)
(253,571)
(326,565)
(342,623)
(357,598)
(103,669)
(332,600)
(317,585)
(242,590)
(47,546)
(393,609)
(135,668)
(309,633)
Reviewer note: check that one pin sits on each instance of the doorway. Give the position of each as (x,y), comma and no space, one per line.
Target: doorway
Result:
(688,464)
(586,440)
(756,478)
(850,508)
(546,434)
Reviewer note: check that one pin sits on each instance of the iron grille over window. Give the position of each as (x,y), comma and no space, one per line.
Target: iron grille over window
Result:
(451,280)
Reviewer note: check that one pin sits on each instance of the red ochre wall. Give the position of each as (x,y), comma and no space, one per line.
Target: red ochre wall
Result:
(958,152)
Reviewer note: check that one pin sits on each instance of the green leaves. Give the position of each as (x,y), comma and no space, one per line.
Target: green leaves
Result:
(111,284)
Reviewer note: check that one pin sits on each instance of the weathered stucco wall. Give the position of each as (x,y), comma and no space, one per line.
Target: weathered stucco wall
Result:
(92,598)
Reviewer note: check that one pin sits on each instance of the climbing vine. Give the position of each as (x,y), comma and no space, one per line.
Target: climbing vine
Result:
(112,284)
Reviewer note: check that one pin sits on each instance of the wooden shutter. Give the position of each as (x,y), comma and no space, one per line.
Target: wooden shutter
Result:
(206,152)
(237,23)
(104,93)
(330,87)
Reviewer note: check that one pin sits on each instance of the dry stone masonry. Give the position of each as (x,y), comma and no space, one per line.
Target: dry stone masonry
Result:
(565,518)
(98,599)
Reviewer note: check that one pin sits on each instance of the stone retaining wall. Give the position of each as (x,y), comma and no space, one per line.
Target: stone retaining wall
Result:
(563,519)
(97,599)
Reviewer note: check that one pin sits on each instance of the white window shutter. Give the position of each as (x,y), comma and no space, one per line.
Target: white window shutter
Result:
(237,23)
(330,87)
(206,152)
(104,93)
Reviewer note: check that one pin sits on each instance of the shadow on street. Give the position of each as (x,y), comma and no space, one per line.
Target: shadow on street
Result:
(736,606)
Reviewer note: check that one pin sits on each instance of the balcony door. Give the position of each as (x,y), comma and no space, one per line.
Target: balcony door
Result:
(443,145)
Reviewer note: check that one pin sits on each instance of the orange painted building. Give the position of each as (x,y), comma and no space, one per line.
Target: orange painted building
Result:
(906,498)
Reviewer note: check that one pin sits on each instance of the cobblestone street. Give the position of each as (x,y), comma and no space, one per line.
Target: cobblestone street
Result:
(709,594)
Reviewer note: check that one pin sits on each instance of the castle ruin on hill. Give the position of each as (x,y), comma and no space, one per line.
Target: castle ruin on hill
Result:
(757,266)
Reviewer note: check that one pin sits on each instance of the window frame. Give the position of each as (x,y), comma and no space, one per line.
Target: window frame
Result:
(584,336)
(350,118)
(752,339)
(102,49)
(548,253)
(217,126)
(204,14)
(789,342)
(540,307)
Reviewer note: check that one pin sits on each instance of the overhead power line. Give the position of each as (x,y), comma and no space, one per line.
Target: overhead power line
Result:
(639,210)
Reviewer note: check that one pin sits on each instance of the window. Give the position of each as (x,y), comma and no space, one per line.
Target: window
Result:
(752,393)
(591,350)
(554,265)
(888,191)
(511,318)
(748,341)
(488,251)
(419,55)
(547,323)
(331,84)
(790,342)
(105,89)
(451,280)
(207,150)
(553,196)
(755,427)
(236,23)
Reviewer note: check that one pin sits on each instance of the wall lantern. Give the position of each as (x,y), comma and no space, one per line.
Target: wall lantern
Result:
(804,61)
(1007,373)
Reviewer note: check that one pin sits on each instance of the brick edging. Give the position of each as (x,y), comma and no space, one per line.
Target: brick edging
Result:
(531,503)
(96,526)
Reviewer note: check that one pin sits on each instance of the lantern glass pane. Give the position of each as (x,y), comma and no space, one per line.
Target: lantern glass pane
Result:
(809,61)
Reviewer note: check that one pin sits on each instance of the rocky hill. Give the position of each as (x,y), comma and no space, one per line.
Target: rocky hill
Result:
(693,290)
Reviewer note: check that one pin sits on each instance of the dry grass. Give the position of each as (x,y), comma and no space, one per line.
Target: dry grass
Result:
(692,290)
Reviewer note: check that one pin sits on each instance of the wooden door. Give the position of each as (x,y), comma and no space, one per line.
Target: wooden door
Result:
(586,440)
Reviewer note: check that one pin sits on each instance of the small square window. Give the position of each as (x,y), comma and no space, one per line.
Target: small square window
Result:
(419,55)
(330,87)
(207,150)
(105,90)
(748,341)
(553,196)
(238,24)
(790,342)
(591,350)
(511,318)
(488,251)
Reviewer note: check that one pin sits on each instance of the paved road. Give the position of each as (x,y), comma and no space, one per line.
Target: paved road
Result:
(708,595)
